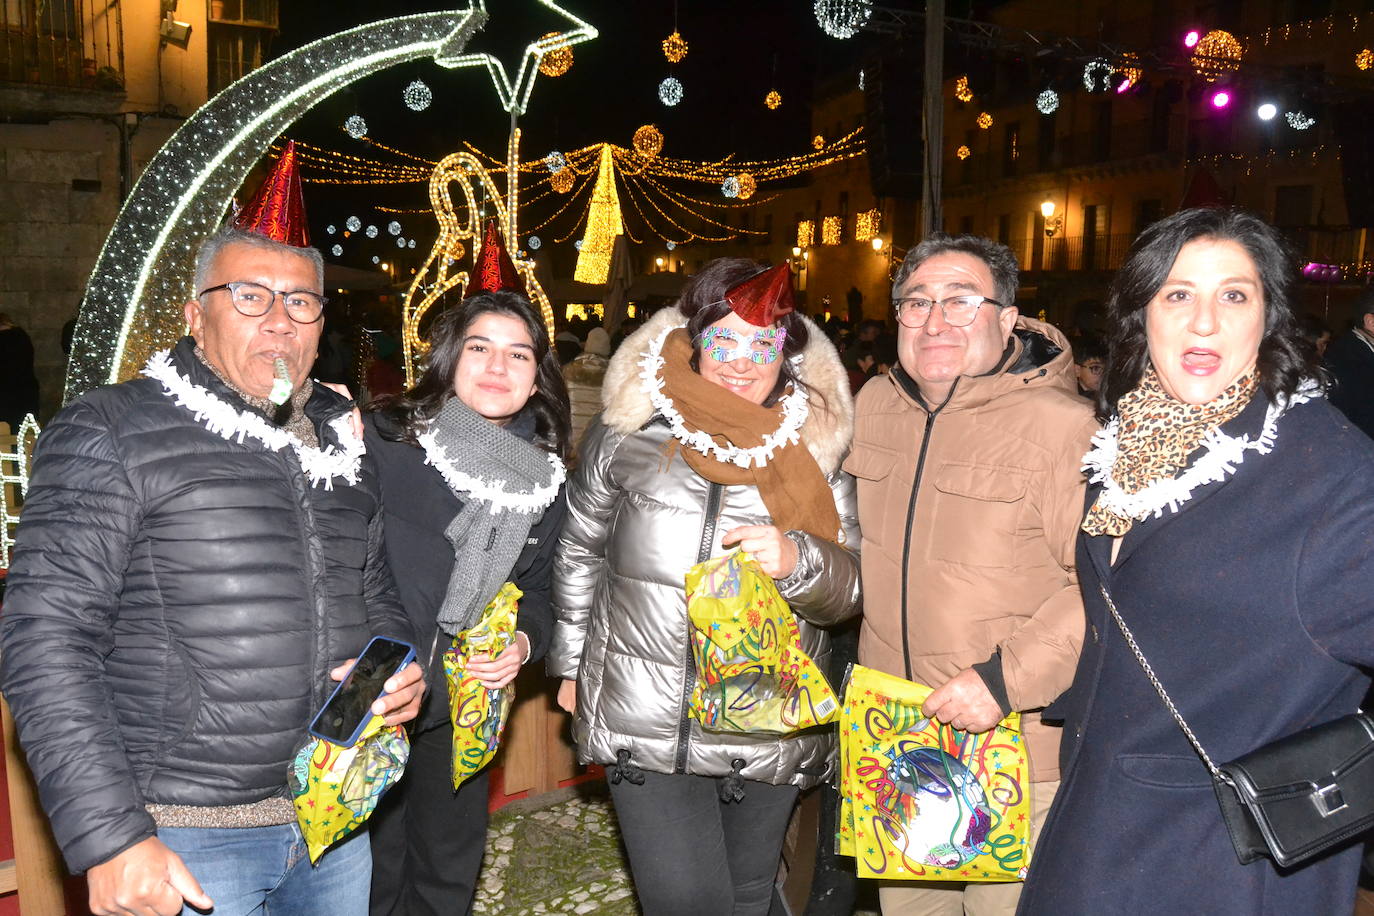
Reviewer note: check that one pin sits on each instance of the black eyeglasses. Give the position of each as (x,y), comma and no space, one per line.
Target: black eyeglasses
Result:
(959,311)
(253,300)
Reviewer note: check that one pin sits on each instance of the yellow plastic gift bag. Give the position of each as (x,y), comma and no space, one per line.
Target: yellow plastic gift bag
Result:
(752,674)
(336,789)
(924,801)
(478,713)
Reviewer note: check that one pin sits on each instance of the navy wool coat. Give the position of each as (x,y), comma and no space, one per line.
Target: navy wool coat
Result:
(1254,603)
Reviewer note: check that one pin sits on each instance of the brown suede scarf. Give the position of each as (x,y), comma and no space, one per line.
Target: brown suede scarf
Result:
(793,489)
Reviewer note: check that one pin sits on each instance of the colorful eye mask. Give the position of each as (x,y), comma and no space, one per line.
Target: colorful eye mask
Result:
(724,345)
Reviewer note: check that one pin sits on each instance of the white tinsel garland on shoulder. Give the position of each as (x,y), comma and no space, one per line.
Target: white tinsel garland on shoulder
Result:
(794,412)
(493,491)
(1222,455)
(321,466)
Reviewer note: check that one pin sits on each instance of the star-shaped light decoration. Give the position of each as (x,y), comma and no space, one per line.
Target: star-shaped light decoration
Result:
(515,95)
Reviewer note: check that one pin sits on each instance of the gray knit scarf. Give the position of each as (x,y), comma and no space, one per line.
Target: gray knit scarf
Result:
(486,540)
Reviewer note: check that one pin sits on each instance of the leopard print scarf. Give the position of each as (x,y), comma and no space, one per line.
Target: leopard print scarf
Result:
(1155,435)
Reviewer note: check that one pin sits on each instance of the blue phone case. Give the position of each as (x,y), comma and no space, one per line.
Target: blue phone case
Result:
(366,717)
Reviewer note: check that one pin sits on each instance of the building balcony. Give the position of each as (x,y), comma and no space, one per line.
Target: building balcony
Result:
(65,44)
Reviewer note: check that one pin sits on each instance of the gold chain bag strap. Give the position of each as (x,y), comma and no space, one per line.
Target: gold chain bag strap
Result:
(1292,798)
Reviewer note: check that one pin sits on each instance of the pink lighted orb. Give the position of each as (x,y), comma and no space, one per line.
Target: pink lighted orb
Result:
(1221,99)
(1191,39)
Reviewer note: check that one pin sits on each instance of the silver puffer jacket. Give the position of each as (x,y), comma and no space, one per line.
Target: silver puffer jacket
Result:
(635,525)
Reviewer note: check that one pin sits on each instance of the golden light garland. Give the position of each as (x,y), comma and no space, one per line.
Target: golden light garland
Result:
(984,120)
(648,141)
(818,142)
(1307,28)
(747,186)
(867,224)
(832,230)
(961,90)
(1364,59)
(1216,53)
(556,61)
(806,233)
(773,99)
(674,47)
(963,152)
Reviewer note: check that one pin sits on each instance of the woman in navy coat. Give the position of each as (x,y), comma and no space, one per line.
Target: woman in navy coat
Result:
(1231,518)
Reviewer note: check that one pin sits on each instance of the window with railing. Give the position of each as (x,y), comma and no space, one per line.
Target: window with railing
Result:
(76,44)
(240,34)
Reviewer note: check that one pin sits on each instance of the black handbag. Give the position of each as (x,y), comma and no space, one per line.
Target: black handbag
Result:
(1292,798)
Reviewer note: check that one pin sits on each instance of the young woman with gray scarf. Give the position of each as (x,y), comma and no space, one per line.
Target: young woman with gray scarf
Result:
(471,468)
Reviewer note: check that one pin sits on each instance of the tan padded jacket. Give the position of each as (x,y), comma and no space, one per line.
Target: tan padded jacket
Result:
(969,512)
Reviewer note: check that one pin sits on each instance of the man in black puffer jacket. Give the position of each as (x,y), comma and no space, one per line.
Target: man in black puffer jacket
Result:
(193,566)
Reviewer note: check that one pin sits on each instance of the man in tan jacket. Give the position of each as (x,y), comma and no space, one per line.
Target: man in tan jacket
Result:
(967,457)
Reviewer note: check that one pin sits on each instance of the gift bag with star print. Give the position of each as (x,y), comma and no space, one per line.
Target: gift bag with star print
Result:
(479,713)
(336,789)
(920,800)
(752,675)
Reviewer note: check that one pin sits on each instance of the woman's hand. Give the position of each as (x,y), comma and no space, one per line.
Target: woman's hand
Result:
(356,420)
(567,697)
(774,551)
(500,671)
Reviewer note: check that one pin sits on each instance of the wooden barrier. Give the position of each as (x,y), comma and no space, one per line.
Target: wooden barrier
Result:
(36,871)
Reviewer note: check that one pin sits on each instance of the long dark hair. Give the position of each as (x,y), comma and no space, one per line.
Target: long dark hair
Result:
(703,302)
(1284,358)
(415,408)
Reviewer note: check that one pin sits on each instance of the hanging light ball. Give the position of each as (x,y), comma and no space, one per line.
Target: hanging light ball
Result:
(674,47)
(670,91)
(961,90)
(337,251)
(578,244)
(1267,111)
(417,96)
(563,181)
(393,227)
(963,152)
(648,141)
(353,224)
(670,244)
(1047,102)
(745,185)
(555,162)
(1365,58)
(1299,120)
(1095,75)
(842,18)
(410,243)
(331,229)
(984,120)
(400,243)
(455,251)
(730,187)
(818,142)
(355,126)
(372,232)
(534,242)
(557,60)
(1216,53)
(773,99)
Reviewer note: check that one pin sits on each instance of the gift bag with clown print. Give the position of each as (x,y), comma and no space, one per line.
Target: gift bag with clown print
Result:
(479,713)
(924,801)
(752,673)
(336,789)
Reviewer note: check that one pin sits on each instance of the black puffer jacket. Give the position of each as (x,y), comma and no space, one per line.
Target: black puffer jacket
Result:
(175,605)
(419,506)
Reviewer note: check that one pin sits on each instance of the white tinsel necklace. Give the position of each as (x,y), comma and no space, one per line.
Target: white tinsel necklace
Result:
(493,491)
(794,411)
(321,466)
(1222,455)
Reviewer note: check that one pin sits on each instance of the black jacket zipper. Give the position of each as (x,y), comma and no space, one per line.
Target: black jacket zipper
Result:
(708,535)
(911,518)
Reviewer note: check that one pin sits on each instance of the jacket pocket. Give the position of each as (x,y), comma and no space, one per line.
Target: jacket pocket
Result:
(1165,771)
(977,509)
(880,507)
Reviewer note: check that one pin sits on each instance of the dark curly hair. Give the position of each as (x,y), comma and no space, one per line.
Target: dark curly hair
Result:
(1284,358)
(415,408)
(703,303)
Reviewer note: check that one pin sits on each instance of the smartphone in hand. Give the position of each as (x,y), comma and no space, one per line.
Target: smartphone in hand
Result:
(349,708)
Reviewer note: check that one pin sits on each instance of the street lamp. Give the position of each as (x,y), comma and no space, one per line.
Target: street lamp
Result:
(658,262)
(877,244)
(1052,223)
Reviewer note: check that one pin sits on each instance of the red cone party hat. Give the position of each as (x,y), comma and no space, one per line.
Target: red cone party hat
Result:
(494,269)
(278,209)
(763,298)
